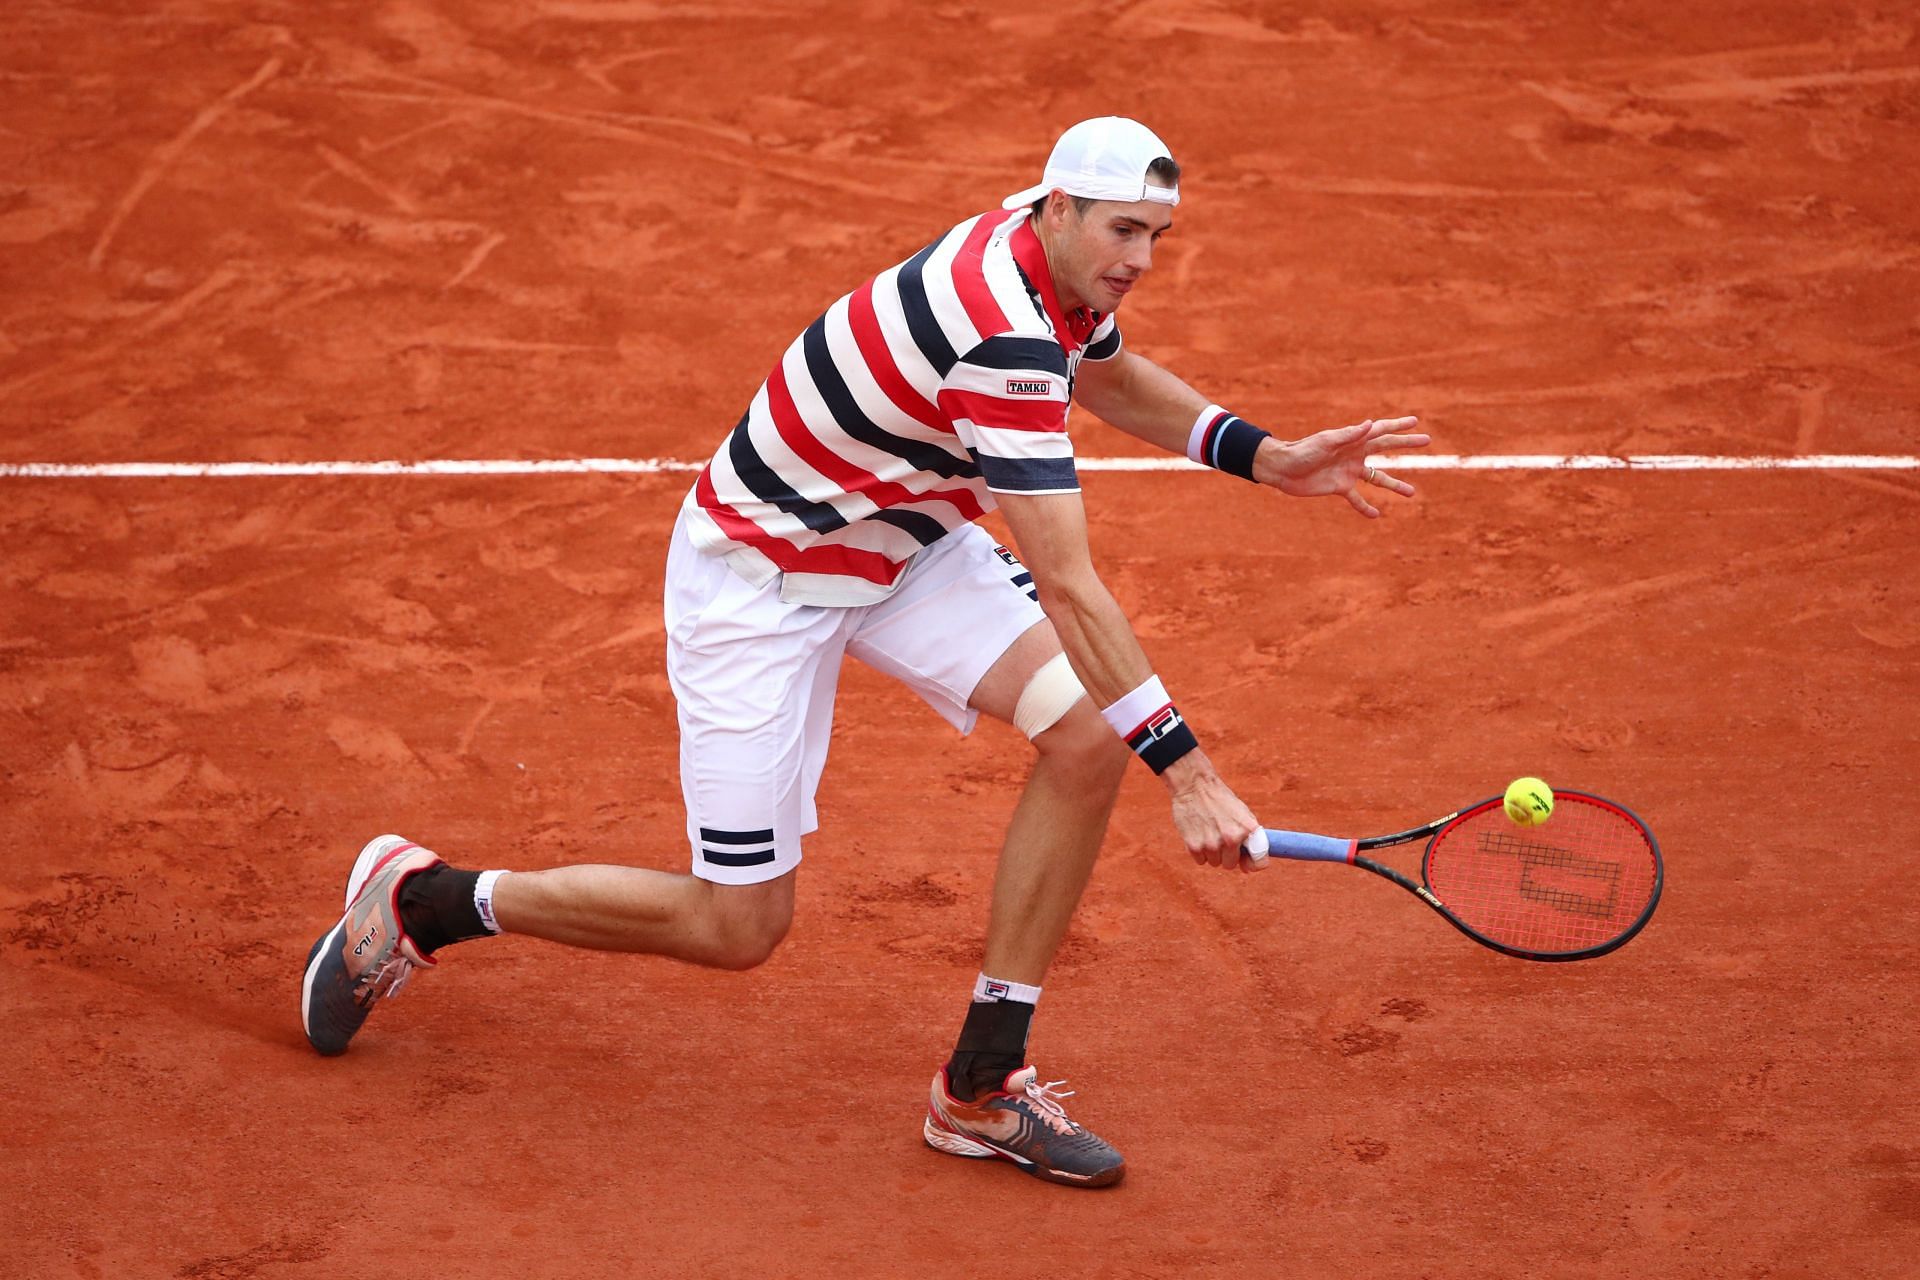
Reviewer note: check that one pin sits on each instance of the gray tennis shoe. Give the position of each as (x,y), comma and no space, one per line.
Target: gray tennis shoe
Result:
(1025,1124)
(367,956)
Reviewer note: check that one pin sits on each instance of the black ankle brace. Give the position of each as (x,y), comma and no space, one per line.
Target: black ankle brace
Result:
(436,908)
(993,1043)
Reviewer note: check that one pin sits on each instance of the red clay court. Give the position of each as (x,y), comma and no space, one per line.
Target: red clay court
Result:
(556,229)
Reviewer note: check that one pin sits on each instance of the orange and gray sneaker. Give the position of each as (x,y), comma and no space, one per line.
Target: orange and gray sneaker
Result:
(1026,1124)
(367,955)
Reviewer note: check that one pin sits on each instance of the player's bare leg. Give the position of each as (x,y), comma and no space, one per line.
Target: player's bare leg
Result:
(1058,826)
(610,908)
(986,1102)
(403,904)
(1051,844)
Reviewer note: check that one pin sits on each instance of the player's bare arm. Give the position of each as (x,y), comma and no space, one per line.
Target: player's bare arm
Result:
(1107,656)
(1150,403)
(1139,397)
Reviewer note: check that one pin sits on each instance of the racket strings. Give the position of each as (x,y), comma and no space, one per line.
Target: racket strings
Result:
(1577,882)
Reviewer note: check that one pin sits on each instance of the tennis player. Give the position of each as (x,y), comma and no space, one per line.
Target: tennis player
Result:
(838,517)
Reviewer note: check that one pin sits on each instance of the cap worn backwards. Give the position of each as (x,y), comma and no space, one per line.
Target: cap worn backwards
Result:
(1102,159)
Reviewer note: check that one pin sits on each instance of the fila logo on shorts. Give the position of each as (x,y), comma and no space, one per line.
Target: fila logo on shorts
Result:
(1021,578)
(898,414)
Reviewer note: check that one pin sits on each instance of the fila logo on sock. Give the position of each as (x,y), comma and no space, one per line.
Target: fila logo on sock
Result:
(997,990)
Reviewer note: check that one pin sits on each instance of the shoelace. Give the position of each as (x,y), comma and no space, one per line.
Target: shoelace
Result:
(1049,1097)
(386,981)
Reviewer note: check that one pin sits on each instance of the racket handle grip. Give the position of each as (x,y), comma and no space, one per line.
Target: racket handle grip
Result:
(1306,847)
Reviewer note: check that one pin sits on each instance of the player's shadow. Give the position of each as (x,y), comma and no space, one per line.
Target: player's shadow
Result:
(192,960)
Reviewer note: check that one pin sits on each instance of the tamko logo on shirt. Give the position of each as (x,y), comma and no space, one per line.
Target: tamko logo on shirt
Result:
(1026,387)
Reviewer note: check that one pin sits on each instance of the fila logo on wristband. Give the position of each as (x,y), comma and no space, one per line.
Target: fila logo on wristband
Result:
(1151,725)
(1165,723)
(1162,739)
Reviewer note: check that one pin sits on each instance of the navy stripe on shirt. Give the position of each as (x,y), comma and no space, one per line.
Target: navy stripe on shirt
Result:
(924,528)
(848,416)
(1018,354)
(926,330)
(1027,475)
(769,487)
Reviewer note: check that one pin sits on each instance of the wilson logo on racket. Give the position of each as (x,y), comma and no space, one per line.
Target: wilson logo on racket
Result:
(1582,895)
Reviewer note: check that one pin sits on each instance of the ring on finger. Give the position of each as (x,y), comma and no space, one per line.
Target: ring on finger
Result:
(1372,476)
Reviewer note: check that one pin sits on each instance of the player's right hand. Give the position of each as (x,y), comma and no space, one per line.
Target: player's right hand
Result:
(1212,821)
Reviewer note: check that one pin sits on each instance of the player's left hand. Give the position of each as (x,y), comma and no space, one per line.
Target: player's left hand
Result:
(1335,461)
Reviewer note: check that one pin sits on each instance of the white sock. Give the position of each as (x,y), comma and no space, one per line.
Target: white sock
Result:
(483,899)
(988,990)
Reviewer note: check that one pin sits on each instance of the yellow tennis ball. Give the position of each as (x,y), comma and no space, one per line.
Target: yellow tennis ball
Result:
(1529,801)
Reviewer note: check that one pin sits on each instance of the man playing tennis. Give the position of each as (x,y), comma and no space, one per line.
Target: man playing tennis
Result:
(838,518)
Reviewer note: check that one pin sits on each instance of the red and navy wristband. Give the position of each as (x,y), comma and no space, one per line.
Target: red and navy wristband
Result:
(1163,739)
(1152,726)
(1224,441)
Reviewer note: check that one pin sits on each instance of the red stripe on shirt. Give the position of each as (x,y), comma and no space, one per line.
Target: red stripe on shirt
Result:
(826,557)
(843,471)
(962,501)
(995,411)
(970,278)
(880,363)
(851,561)
(808,447)
(731,522)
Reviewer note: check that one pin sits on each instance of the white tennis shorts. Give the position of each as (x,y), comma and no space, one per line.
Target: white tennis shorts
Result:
(755,679)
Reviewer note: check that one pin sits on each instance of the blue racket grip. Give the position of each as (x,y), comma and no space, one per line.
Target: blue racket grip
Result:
(1306,847)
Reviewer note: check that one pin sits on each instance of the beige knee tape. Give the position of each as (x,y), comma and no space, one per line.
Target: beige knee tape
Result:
(1048,696)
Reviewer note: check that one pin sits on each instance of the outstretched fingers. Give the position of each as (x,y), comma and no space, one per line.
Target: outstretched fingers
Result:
(1360,433)
(1384,425)
(1392,484)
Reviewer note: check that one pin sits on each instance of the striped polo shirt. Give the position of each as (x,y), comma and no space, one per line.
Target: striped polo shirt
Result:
(898,414)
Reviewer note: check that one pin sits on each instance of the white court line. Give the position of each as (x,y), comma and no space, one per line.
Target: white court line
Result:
(657,466)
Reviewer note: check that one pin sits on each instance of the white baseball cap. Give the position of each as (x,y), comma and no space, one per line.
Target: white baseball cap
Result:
(1101,159)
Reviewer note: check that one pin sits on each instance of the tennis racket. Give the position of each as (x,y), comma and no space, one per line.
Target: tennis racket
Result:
(1577,886)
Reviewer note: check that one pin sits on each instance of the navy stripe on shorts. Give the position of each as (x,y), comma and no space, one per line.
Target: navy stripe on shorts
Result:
(737,857)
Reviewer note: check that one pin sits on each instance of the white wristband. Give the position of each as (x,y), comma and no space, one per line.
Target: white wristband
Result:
(1198,435)
(1136,708)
